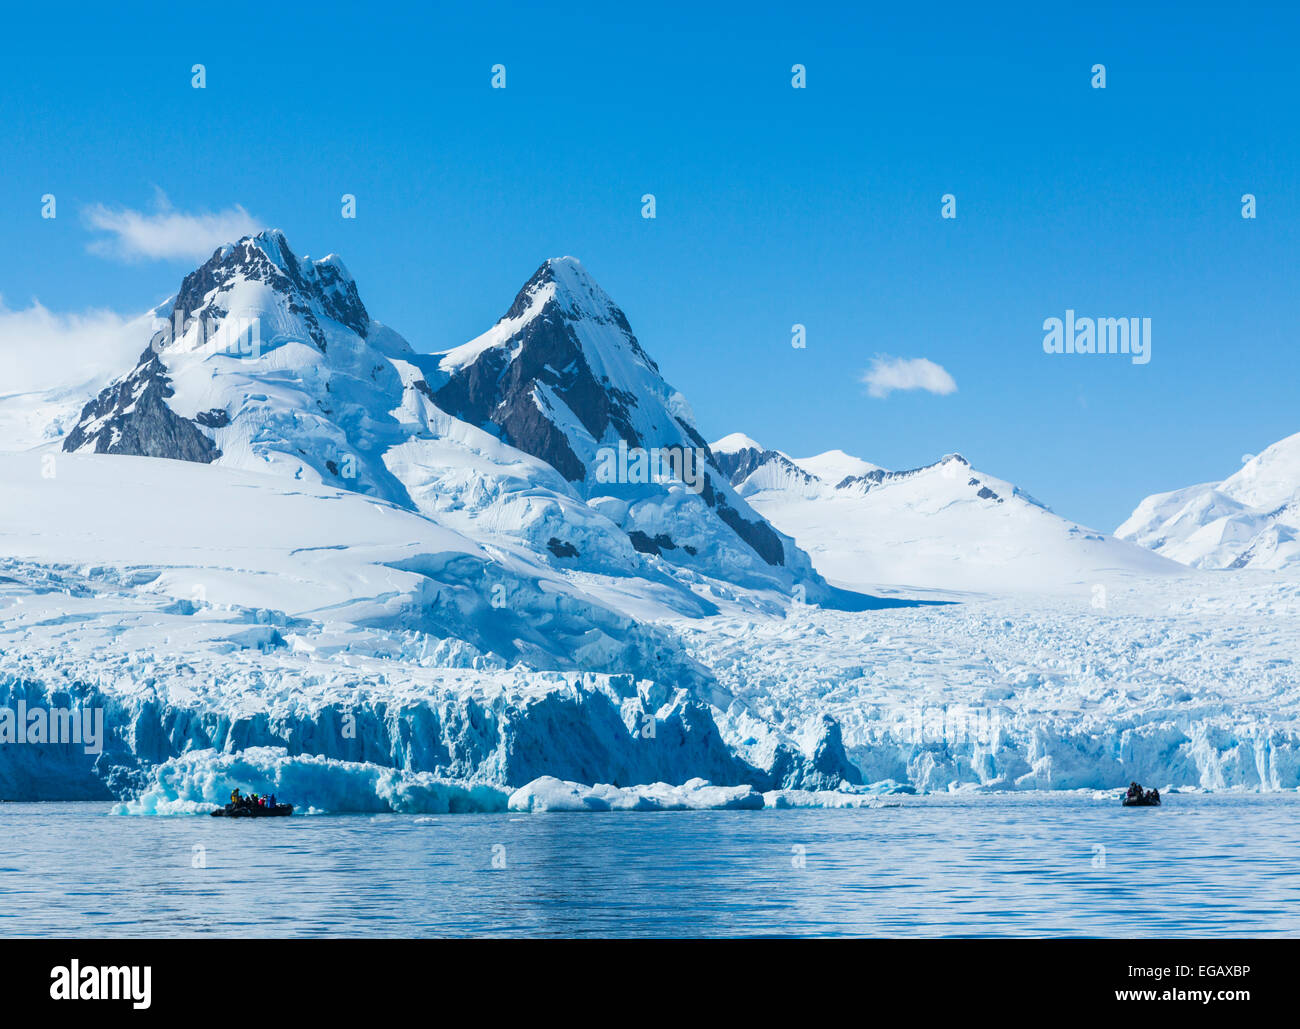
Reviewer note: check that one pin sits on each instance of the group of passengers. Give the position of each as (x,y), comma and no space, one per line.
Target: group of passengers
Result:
(1135,792)
(248,800)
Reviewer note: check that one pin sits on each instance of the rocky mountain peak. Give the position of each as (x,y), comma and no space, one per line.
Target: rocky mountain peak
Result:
(563,377)
(563,357)
(314,288)
(257,279)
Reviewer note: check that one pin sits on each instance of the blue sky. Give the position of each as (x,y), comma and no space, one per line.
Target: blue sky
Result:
(775,206)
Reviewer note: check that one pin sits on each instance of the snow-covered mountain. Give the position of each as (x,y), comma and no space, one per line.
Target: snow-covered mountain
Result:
(944,526)
(272,504)
(562,377)
(268,362)
(1249,520)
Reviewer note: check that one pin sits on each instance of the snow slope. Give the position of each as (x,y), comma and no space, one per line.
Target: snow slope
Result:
(835,466)
(331,627)
(325,625)
(224,550)
(1249,520)
(945,526)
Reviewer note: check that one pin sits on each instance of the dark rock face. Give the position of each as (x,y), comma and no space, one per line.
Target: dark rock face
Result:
(872,478)
(741,464)
(217,418)
(522,419)
(507,393)
(131,416)
(878,475)
(561,548)
(758,534)
(338,295)
(648,545)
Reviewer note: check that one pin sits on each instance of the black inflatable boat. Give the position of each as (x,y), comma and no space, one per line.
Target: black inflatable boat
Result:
(1144,801)
(252,811)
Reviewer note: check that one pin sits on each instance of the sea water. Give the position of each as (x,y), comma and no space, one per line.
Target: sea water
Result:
(1036,864)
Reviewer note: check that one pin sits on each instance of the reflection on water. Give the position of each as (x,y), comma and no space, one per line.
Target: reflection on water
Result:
(1013,865)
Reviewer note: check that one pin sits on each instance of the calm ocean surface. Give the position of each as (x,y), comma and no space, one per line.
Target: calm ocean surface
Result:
(933,866)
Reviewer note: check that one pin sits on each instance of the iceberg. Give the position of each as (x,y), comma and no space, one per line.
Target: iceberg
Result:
(199,781)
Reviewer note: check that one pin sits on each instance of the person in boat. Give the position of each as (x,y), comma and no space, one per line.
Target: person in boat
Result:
(235,796)
(1153,796)
(1134,791)
(272,801)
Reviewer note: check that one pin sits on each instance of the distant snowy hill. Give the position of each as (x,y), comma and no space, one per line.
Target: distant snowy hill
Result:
(943,526)
(1249,520)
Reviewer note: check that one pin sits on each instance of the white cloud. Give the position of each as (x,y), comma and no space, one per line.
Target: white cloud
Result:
(42,350)
(166,233)
(888,374)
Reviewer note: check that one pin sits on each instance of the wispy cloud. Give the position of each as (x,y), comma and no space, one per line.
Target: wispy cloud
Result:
(41,349)
(888,374)
(166,233)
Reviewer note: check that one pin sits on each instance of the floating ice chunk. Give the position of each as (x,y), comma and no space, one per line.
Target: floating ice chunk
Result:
(782,799)
(548,793)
